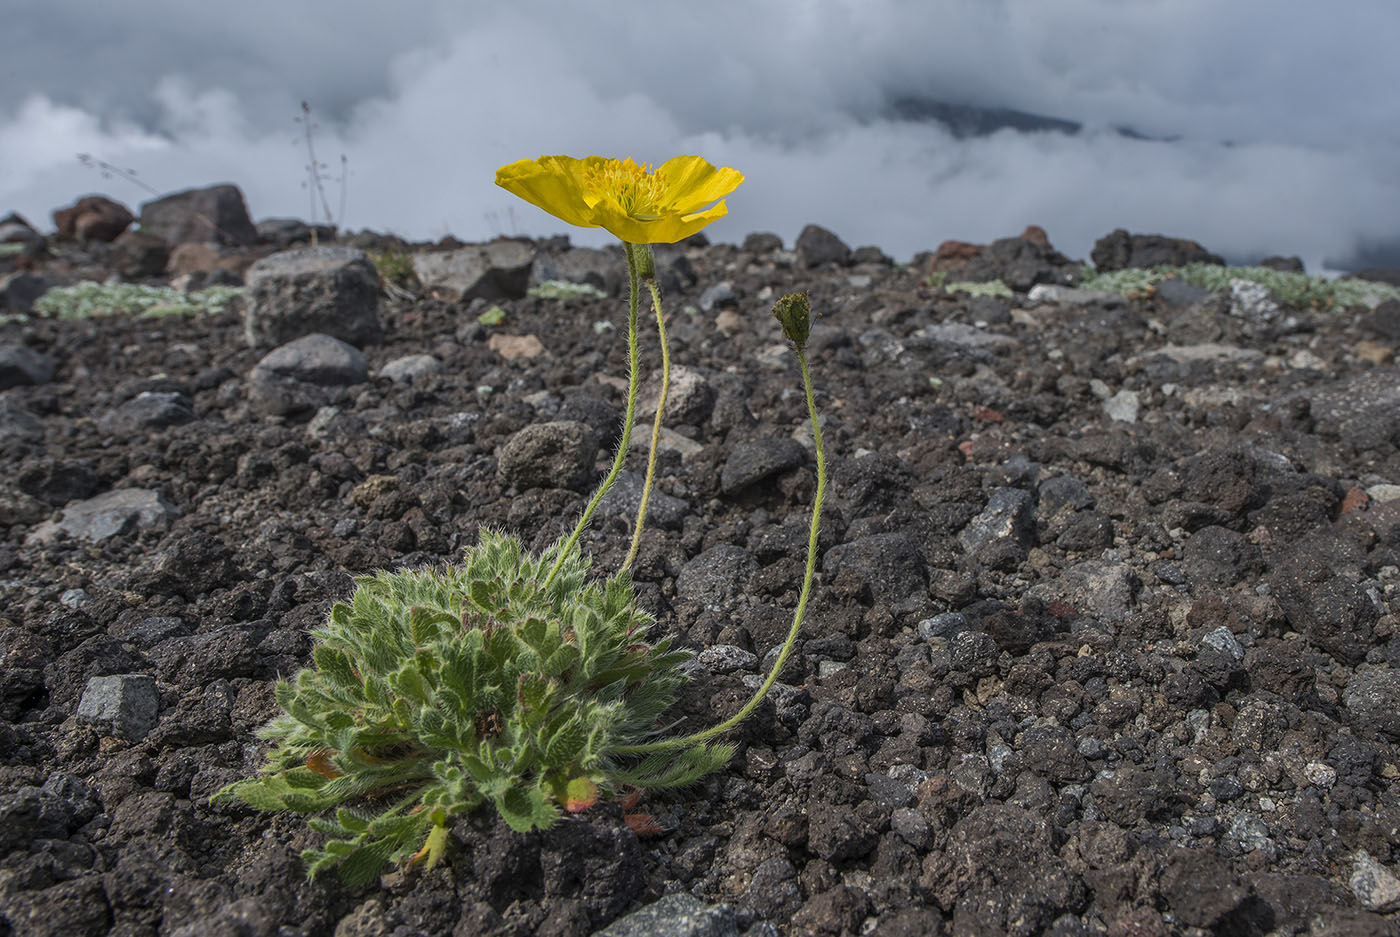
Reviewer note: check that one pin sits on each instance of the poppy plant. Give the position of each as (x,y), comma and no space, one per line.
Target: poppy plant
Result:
(642,206)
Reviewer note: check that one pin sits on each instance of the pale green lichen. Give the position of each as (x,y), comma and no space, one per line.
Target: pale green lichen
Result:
(1299,290)
(89,300)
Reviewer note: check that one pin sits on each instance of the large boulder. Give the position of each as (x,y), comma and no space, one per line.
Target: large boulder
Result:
(330,290)
(304,375)
(215,214)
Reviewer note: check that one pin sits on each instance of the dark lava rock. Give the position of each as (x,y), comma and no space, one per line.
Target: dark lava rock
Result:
(888,564)
(717,575)
(329,290)
(215,214)
(753,462)
(549,455)
(817,246)
(1119,250)
(20,366)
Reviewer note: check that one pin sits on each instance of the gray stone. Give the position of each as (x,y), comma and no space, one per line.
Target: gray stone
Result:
(124,705)
(558,454)
(499,270)
(1373,698)
(816,246)
(306,374)
(214,214)
(1098,588)
(1071,296)
(718,295)
(18,424)
(1224,641)
(1008,517)
(962,336)
(1177,292)
(690,399)
(726,658)
(943,626)
(111,514)
(753,462)
(890,564)
(288,232)
(1374,885)
(676,915)
(625,497)
(331,290)
(1064,492)
(18,291)
(20,365)
(1123,406)
(147,410)
(1252,301)
(410,368)
(600,267)
(716,575)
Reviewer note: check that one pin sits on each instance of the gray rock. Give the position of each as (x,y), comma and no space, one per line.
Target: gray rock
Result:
(331,424)
(1224,641)
(558,454)
(147,410)
(625,497)
(18,424)
(600,267)
(306,374)
(138,255)
(1253,301)
(124,705)
(816,246)
(676,915)
(1071,296)
(15,230)
(753,462)
(20,365)
(960,335)
(1007,518)
(718,295)
(1123,406)
(246,917)
(410,368)
(1177,292)
(690,399)
(716,575)
(18,291)
(1098,588)
(1063,492)
(112,514)
(214,214)
(1374,885)
(890,564)
(974,653)
(1373,698)
(763,242)
(499,270)
(726,658)
(943,626)
(331,290)
(1364,408)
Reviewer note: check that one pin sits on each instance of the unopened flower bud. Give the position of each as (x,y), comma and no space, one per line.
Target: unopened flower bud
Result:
(794,314)
(646,262)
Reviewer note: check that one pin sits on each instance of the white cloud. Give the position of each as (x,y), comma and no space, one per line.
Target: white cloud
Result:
(427,98)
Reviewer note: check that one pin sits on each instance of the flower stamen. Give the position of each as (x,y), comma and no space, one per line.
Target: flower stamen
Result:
(634,186)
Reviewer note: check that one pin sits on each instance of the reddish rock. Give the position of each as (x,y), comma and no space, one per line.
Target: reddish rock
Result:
(92,218)
(1354,500)
(953,254)
(1036,235)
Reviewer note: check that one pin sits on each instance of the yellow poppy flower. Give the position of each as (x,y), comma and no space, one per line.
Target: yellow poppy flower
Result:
(629,199)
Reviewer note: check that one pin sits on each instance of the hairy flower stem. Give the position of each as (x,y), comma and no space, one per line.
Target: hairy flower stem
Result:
(762,691)
(656,423)
(633,260)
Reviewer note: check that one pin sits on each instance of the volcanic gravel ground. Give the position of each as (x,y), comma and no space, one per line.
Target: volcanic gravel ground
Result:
(1063,673)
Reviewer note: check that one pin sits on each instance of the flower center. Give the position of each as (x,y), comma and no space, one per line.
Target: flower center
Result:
(633,185)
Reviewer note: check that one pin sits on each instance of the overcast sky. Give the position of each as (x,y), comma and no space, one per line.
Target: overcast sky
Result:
(1271,126)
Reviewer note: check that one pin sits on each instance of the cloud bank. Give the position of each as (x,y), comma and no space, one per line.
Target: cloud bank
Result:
(1255,127)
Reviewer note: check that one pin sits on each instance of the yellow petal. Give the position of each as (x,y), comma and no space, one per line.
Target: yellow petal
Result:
(551,183)
(692,183)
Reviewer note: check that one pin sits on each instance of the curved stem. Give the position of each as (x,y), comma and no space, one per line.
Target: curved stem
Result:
(631,251)
(656,423)
(752,704)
